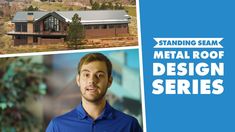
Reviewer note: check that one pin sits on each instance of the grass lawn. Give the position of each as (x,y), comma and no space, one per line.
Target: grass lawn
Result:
(131,10)
(58,6)
(55,6)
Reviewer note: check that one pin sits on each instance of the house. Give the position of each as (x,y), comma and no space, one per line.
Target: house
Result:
(38,27)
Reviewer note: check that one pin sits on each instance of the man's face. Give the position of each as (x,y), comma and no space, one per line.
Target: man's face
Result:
(93,81)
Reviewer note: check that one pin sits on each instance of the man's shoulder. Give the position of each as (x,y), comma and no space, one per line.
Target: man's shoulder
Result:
(66,116)
(123,116)
(58,122)
(129,121)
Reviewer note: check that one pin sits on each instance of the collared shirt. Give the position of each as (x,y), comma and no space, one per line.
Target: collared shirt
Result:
(110,120)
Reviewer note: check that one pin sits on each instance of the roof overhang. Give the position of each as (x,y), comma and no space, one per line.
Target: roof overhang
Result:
(36,33)
(56,15)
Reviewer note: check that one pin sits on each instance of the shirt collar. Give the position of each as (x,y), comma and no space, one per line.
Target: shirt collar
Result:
(107,113)
(81,112)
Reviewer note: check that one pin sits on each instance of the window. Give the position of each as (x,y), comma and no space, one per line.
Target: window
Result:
(35,39)
(124,25)
(88,27)
(51,24)
(117,76)
(36,27)
(111,26)
(104,26)
(24,27)
(30,13)
(96,27)
(21,27)
(119,26)
(18,27)
(20,37)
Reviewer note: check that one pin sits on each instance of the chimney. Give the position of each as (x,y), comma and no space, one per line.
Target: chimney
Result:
(30,16)
(30,19)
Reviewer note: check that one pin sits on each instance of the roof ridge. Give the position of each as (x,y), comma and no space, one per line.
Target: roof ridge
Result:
(72,11)
(88,16)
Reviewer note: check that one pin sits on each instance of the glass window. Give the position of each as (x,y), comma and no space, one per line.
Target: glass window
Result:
(20,37)
(111,26)
(51,24)
(21,27)
(88,27)
(104,26)
(18,27)
(96,27)
(24,27)
(119,26)
(36,27)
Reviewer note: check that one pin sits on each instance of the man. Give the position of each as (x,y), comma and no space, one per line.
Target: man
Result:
(94,114)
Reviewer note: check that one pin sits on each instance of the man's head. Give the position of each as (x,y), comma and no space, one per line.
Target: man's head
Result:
(94,76)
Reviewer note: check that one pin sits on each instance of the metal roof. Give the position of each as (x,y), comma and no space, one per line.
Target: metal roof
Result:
(22,15)
(87,17)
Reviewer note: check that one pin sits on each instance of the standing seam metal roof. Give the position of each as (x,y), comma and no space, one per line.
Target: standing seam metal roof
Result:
(87,17)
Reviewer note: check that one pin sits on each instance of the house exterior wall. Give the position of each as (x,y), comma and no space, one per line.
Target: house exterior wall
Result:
(122,30)
(41,25)
(30,39)
(21,27)
(94,33)
(50,40)
(46,37)
(30,27)
(20,41)
(110,30)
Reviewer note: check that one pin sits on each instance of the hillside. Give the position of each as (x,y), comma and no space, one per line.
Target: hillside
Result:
(6,43)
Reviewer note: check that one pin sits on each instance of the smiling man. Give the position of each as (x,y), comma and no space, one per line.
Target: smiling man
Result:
(94,114)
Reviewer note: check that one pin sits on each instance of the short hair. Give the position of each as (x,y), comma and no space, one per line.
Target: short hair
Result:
(91,57)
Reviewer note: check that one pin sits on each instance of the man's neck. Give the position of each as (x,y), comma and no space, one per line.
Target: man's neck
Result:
(94,109)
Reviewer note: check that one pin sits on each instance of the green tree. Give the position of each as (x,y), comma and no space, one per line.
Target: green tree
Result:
(75,32)
(104,6)
(110,5)
(20,79)
(1,13)
(133,2)
(31,8)
(95,6)
(36,8)
(118,6)
(70,8)
(91,2)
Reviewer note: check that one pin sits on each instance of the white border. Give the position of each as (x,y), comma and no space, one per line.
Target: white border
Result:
(139,47)
(141,67)
(67,51)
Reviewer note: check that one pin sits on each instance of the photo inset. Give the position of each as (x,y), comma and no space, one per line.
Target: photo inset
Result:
(41,26)
(39,90)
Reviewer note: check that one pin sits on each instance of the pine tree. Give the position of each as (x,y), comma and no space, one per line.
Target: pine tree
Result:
(91,2)
(110,5)
(95,6)
(75,32)
(103,6)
